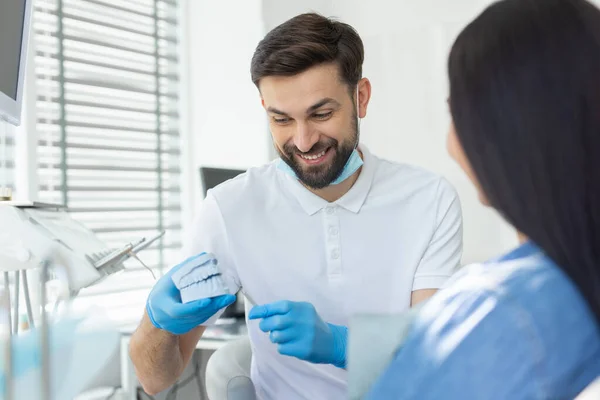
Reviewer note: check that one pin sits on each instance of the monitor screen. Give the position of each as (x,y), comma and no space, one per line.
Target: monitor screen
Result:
(212,177)
(12,20)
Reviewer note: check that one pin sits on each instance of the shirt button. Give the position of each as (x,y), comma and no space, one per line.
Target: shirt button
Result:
(329,210)
(335,254)
(333,230)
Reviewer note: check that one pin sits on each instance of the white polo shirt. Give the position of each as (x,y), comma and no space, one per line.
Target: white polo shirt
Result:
(398,229)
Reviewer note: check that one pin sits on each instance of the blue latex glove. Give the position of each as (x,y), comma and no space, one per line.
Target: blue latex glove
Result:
(167,312)
(299,332)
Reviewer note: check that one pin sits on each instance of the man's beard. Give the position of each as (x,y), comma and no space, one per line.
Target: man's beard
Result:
(320,176)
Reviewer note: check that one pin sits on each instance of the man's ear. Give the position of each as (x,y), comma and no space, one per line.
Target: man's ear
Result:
(262,102)
(364,89)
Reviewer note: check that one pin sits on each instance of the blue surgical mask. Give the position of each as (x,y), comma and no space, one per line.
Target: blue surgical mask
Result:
(352,165)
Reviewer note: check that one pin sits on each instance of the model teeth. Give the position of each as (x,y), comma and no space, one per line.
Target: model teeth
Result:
(316,156)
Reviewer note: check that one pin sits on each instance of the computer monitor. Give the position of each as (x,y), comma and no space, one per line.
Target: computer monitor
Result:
(15,21)
(212,177)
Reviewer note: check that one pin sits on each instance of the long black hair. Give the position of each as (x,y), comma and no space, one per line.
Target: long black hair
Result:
(525,99)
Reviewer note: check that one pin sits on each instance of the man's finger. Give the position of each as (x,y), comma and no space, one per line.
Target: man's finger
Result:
(275,323)
(182,310)
(222,301)
(293,349)
(268,310)
(284,336)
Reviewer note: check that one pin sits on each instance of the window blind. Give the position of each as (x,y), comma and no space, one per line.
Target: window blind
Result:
(107,86)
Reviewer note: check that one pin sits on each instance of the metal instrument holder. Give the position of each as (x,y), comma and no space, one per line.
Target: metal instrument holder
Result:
(53,260)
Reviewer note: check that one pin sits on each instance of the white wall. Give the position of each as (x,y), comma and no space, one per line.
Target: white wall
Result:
(228,127)
(406,46)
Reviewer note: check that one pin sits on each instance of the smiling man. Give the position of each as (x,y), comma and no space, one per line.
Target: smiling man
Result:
(326,231)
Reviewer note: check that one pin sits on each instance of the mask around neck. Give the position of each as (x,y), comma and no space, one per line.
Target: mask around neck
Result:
(352,165)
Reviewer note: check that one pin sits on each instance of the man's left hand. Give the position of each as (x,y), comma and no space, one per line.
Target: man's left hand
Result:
(299,332)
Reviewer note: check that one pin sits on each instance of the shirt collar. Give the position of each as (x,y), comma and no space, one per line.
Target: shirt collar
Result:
(352,201)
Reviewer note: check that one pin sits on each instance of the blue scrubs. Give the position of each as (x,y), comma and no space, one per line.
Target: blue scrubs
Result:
(514,328)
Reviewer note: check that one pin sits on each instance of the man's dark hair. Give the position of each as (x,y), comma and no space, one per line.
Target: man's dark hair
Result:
(525,100)
(305,41)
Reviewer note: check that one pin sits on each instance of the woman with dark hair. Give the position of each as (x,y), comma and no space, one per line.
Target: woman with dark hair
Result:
(525,103)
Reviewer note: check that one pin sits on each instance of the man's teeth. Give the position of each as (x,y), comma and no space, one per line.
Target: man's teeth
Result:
(314,157)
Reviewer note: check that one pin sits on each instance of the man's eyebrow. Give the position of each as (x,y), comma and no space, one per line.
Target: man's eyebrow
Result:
(322,103)
(276,111)
(310,109)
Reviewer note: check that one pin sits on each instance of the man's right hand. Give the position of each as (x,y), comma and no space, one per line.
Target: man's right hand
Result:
(167,312)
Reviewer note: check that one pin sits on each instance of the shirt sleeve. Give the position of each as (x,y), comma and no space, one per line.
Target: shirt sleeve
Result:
(208,234)
(470,345)
(443,255)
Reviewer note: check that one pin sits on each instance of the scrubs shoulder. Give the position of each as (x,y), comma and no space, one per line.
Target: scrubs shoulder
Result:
(516,328)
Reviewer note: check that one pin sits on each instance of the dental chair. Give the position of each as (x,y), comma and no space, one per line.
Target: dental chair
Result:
(228,372)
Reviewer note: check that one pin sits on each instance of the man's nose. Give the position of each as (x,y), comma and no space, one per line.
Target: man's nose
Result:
(305,137)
